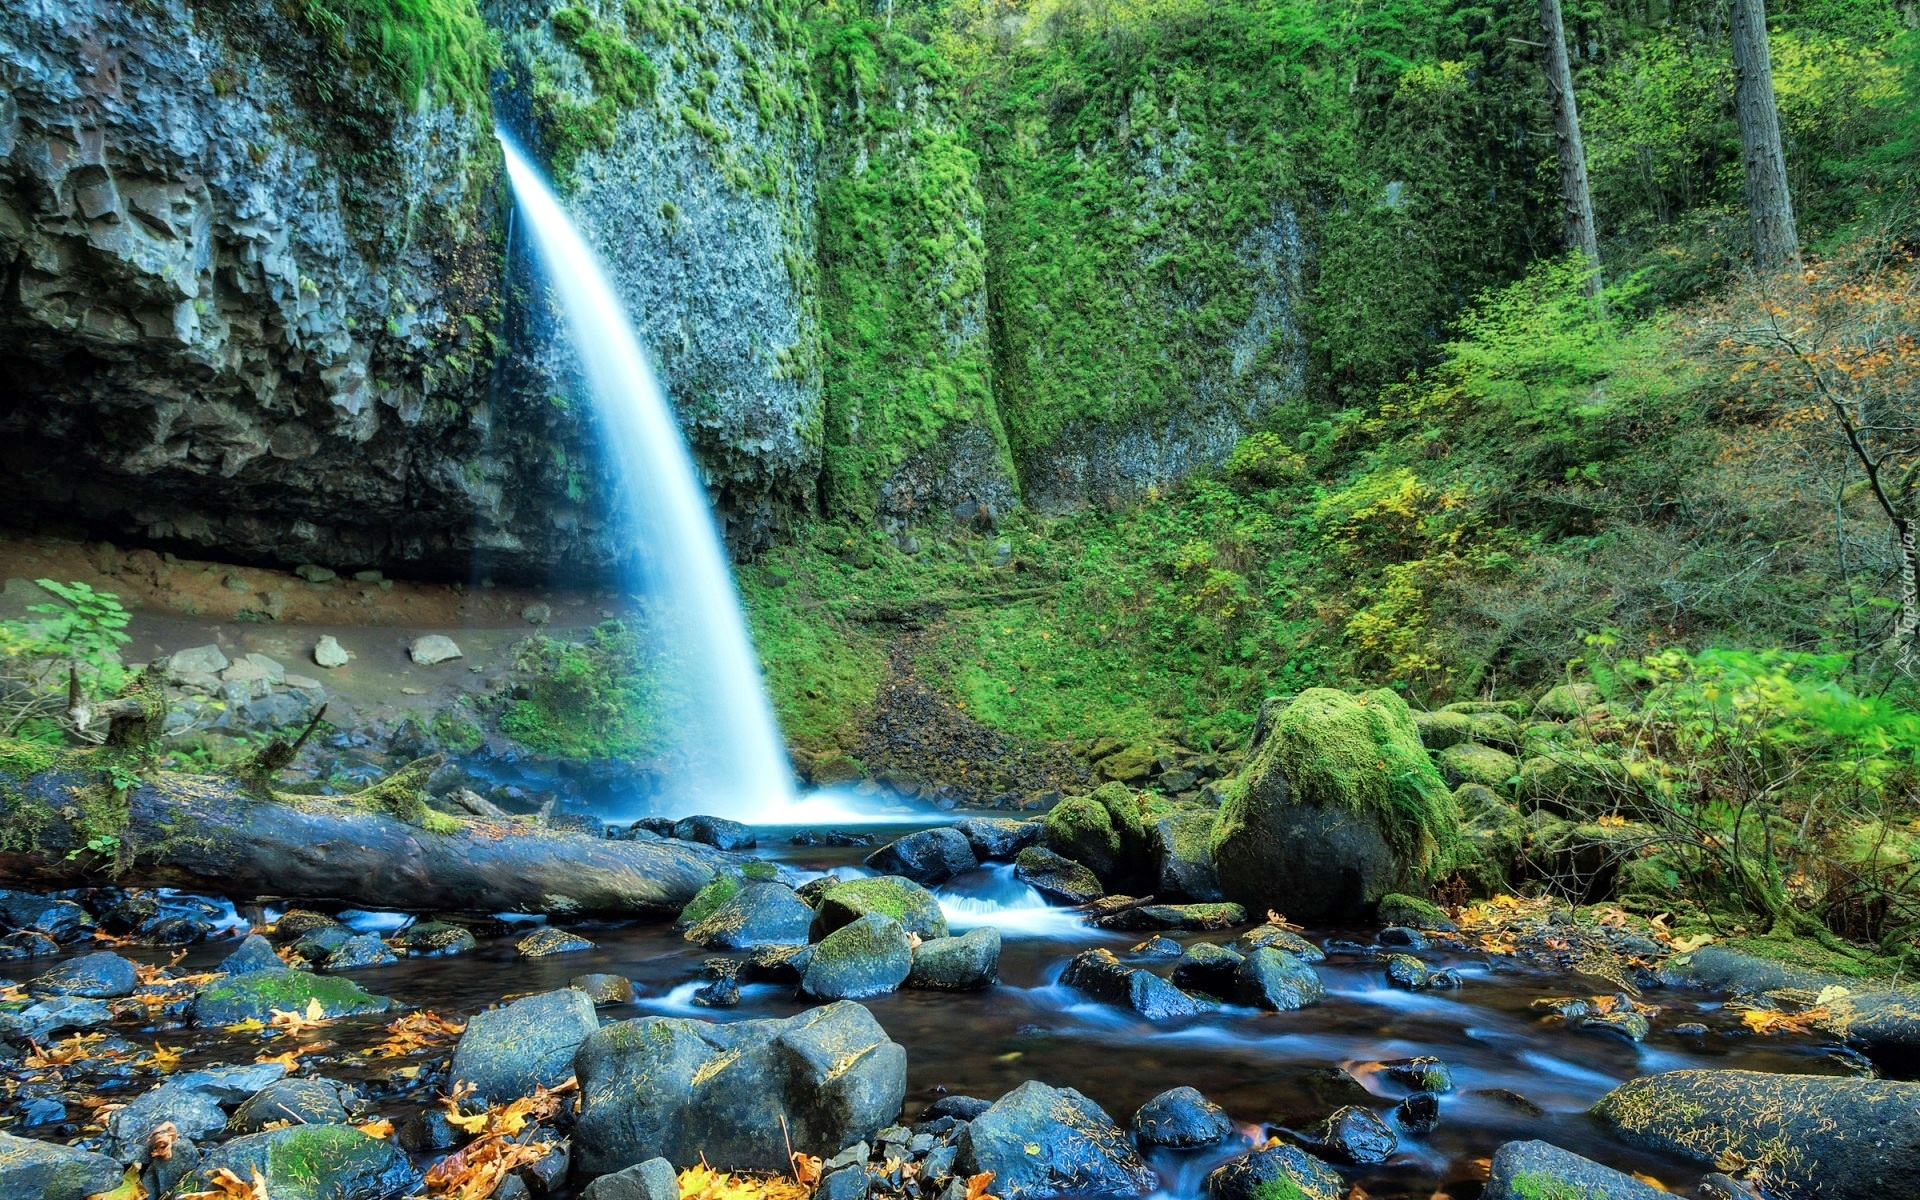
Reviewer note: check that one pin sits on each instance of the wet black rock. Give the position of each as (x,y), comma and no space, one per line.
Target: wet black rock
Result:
(657,826)
(998,839)
(1181,1118)
(1832,1137)
(1100,975)
(429,1131)
(301,1101)
(1355,1135)
(868,957)
(1279,938)
(959,1108)
(548,940)
(1620,1022)
(101,976)
(1176,918)
(361,950)
(434,939)
(681,1088)
(1275,980)
(27,943)
(775,964)
(1158,946)
(1406,971)
(354,1166)
(829,837)
(507,1052)
(1205,967)
(1401,935)
(905,901)
(717,832)
(1422,1074)
(759,914)
(62,920)
(957,964)
(1275,1171)
(654,1179)
(1057,877)
(1530,1170)
(318,945)
(929,857)
(1419,1113)
(296,923)
(36,1170)
(254,954)
(1042,1142)
(1183,864)
(721,993)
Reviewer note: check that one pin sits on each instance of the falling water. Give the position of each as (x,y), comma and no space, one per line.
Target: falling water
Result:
(722,723)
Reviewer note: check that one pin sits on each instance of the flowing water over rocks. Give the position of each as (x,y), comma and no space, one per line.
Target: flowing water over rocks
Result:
(1402,1093)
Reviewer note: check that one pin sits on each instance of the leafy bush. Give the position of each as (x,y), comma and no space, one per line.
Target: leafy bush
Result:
(84,632)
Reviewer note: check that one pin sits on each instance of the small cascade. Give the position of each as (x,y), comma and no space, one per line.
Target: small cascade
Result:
(719,724)
(995,896)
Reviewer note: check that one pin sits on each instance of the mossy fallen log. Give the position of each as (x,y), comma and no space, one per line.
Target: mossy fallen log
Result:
(95,818)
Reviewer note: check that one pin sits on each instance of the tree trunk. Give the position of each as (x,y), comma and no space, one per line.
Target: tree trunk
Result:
(1775,243)
(218,834)
(1575,197)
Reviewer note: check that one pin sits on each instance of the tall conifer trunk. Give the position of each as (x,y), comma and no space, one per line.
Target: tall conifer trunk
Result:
(1775,242)
(1576,198)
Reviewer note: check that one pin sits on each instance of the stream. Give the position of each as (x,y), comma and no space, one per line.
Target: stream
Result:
(1517,1072)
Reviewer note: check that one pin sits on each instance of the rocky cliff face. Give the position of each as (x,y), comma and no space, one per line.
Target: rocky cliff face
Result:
(260,303)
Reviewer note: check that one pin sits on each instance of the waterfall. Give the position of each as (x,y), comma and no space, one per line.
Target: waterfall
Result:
(720,721)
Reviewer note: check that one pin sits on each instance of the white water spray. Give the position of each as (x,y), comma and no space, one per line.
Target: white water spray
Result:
(723,726)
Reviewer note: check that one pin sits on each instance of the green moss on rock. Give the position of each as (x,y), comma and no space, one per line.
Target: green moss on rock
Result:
(1438,730)
(1468,762)
(259,995)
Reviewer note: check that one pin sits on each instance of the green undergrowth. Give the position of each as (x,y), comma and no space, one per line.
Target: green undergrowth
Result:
(408,45)
(596,698)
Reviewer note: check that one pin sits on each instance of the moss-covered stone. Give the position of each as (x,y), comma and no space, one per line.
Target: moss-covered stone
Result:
(1577,782)
(1566,702)
(1339,806)
(1081,828)
(1800,1136)
(1469,762)
(1497,730)
(1398,908)
(259,995)
(905,901)
(717,891)
(1438,730)
(315,1162)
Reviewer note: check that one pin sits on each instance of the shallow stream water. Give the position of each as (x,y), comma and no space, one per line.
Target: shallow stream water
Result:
(1517,1073)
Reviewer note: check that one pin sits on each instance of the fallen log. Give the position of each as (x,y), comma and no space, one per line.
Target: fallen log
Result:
(94,818)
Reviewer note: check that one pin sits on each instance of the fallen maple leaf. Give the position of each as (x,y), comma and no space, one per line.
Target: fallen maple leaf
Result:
(977,1186)
(296,1022)
(164,1060)
(228,1186)
(381,1128)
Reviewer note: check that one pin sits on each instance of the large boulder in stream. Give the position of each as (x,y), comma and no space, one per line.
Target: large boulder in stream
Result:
(679,1089)
(1804,1136)
(868,957)
(1338,807)
(1272,979)
(1100,975)
(1275,1173)
(1102,831)
(957,964)
(1042,1142)
(998,839)
(1056,877)
(36,1170)
(889,895)
(1537,1170)
(258,995)
(1183,856)
(929,857)
(758,914)
(313,1162)
(1181,1118)
(506,1052)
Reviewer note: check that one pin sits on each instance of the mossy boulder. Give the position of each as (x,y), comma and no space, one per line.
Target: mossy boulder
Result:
(1183,856)
(259,995)
(1340,806)
(1056,876)
(1413,912)
(870,956)
(314,1162)
(1497,730)
(711,896)
(957,964)
(1275,1173)
(1438,730)
(1516,709)
(1800,1136)
(1567,702)
(1542,1171)
(759,914)
(1105,831)
(1129,766)
(1469,762)
(1582,783)
(508,1051)
(905,901)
